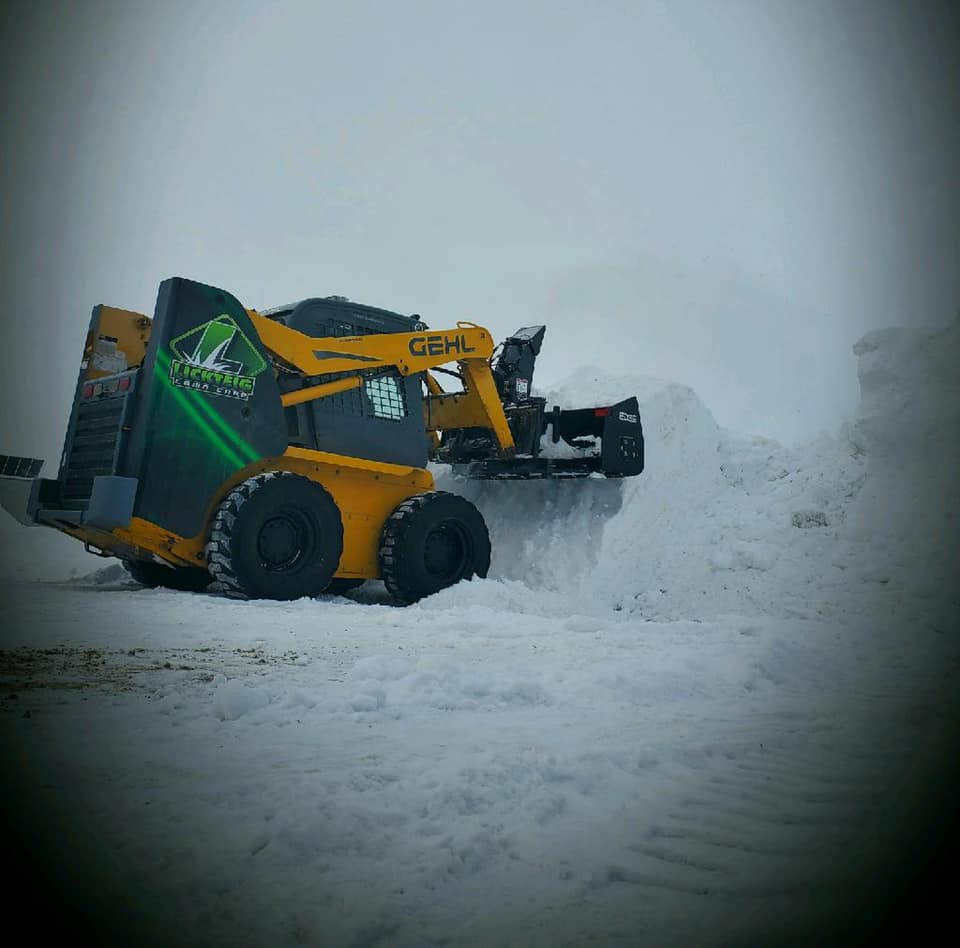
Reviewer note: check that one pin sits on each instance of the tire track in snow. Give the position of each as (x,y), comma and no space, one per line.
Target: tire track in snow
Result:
(771,823)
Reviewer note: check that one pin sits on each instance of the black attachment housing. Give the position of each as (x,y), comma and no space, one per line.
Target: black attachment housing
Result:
(610,439)
(513,371)
(606,440)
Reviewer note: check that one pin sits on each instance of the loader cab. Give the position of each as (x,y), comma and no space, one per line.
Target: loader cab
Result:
(380,421)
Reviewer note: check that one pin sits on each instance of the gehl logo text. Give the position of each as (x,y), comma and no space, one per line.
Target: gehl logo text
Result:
(439,344)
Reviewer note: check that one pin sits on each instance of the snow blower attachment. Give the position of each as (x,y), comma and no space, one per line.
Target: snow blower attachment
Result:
(555,443)
(283,453)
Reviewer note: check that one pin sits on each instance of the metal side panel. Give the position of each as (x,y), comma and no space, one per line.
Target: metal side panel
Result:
(208,406)
(111,502)
(621,450)
(382,420)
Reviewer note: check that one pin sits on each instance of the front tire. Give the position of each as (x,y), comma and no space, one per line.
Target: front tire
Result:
(275,536)
(430,542)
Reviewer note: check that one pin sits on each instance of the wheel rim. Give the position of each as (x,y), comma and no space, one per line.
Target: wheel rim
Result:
(446,551)
(286,541)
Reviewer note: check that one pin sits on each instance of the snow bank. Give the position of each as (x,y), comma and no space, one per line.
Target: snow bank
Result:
(717,523)
(725,523)
(907,516)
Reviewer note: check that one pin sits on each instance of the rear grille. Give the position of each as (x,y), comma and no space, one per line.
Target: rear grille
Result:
(92,448)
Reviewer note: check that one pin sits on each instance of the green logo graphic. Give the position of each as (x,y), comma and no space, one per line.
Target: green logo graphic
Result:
(216,358)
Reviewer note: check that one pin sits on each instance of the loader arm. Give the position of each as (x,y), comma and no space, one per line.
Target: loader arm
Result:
(469,345)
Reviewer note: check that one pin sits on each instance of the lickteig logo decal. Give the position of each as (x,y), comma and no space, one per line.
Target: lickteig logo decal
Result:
(216,358)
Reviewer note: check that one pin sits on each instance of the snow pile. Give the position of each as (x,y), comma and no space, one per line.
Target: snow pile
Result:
(235,697)
(906,518)
(723,523)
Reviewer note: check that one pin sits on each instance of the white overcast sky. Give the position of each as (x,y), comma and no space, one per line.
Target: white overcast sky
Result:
(727,194)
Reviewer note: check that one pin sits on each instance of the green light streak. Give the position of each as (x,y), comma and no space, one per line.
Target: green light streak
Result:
(227,433)
(201,418)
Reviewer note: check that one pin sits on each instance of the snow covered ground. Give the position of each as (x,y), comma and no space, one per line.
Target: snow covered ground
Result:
(686,708)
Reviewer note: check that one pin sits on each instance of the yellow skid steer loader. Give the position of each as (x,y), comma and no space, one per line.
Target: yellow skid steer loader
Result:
(283,453)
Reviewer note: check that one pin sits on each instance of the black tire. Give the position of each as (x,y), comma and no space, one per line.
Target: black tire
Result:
(430,542)
(182,578)
(339,586)
(275,536)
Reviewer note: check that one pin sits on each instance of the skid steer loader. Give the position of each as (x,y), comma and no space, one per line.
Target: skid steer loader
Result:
(283,453)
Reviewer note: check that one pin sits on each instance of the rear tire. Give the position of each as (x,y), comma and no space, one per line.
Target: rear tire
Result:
(182,578)
(430,542)
(275,536)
